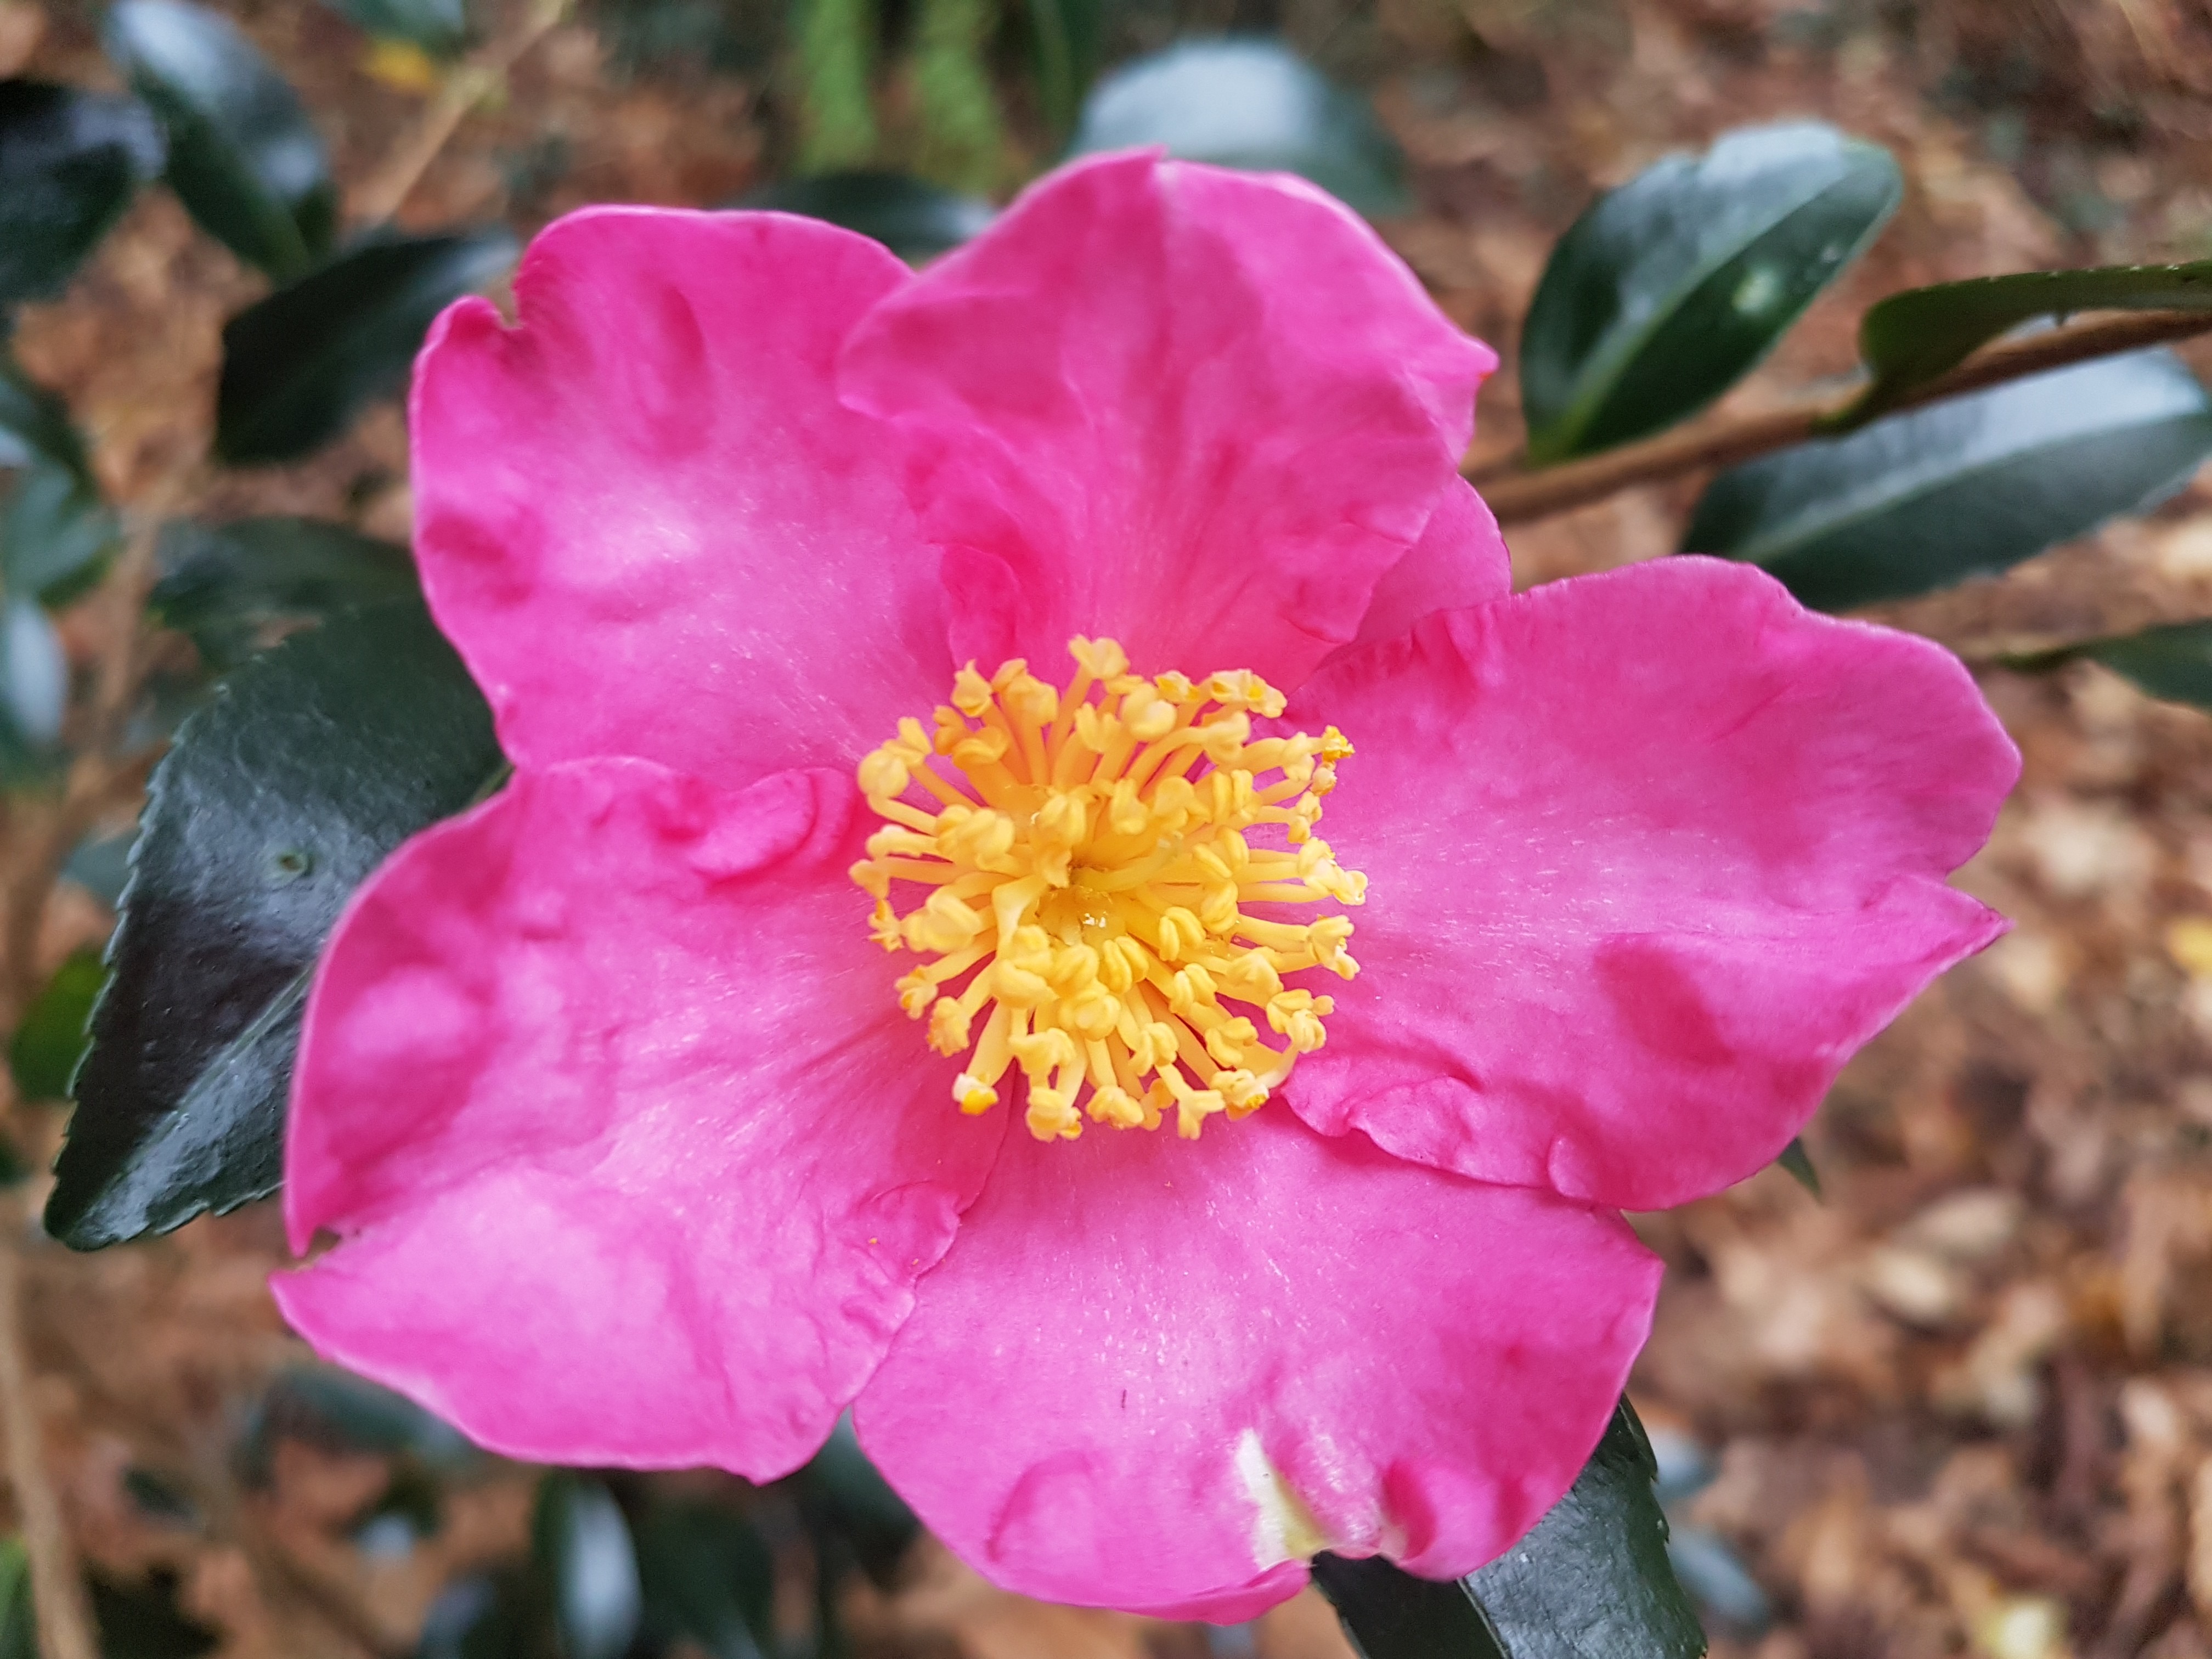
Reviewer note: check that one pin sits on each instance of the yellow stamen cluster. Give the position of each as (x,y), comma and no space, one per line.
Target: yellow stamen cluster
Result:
(1085,868)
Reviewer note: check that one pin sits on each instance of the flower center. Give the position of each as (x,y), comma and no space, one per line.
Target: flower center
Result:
(1086,869)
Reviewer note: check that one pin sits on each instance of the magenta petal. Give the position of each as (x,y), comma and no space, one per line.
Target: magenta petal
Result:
(1201,411)
(1652,853)
(632,1156)
(1460,559)
(643,516)
(1140,1344)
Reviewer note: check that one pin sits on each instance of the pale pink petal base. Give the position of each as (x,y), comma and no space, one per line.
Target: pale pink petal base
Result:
(1652,853)
(1159,1374)
(632,1156)
(645,520)
(1202,411)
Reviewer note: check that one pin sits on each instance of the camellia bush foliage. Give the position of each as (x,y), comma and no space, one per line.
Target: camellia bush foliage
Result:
(948,877)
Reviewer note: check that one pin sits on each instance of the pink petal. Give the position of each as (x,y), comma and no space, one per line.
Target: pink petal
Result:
(1460,559)
(643,516)
(1653,853)
(1133,1330)
(634,1157)
(1201,412)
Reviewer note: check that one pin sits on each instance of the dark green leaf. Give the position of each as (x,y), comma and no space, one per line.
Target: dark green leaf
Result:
(313,762)
(914,220)
(243,158)
(1667,290)
(1592,1580)
(485,1616)
(707,1576)
(1247,103)
(437,25)
(231,585)
(2175,662)
(581,1544)
(848,1497)
(56,531)
(56,534)
(1922,334)
(47,1046)
(1919,500)
(69,162)
(19,1632)
(1799,1162)
(1389,1614)
(1065,36)
(35,427)
(33,691)
(323,1401)
(298,366)
(142,1619)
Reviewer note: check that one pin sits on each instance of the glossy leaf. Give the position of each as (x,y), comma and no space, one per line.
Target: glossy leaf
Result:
(56,531)
(1921,500)
(299,365)
(1667,290)
(232,586)
(313,762)
(708,1578)
(33,692)
(1066,37)
(142,1619)
(581,1544)
(69,163)
(1799,1163)
(51,1039)
(1389,1614)
(1591,1581)
(437,25)
(1247,103)
(2173,662)
(1911,338)
(56,534)
(19,1632)
(847,1498)
(35,426)
(914,220)
(243,157)
(331,1404)
(1592,1578)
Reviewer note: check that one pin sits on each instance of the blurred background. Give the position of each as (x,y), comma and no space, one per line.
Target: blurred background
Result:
(1961,1402)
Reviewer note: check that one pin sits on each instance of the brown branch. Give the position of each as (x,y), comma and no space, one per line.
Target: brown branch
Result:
(386,190)
(56,1587)
(1519,497)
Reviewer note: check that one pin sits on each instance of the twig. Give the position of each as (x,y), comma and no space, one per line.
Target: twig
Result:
(387,188)
(1519,497)
(57,1590)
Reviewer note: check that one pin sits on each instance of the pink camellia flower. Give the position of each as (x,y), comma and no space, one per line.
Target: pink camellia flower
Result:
(1050,895)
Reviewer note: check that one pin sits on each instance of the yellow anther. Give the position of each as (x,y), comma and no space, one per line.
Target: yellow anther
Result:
(949,1027)
(1245,1093)
(914,991)
(1148,718)
(1064,817)
(1074,866)
(1180,933)
(1103,660)
(944,924)
(971,692)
